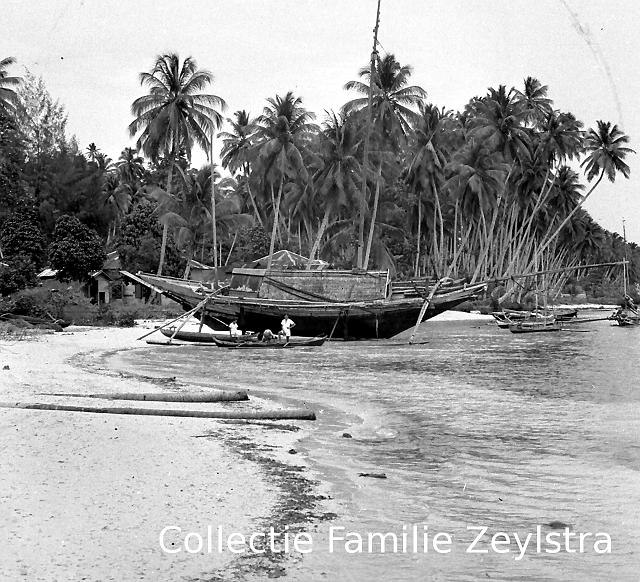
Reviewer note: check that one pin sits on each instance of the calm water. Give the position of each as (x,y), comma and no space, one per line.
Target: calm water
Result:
(479,427)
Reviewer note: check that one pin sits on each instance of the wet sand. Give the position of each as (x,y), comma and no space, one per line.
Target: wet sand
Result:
(85,496)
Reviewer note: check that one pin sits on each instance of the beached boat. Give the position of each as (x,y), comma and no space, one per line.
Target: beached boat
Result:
(506,317)
(625,317)
(274,344)
(536,325)
(338,304)
(199,336)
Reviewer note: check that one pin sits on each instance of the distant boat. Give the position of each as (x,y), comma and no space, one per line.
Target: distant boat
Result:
(506,317)
(536,325)
(625,317)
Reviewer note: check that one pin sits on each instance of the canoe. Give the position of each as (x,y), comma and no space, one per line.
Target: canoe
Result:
(533,326)
(198,336)
(274,345)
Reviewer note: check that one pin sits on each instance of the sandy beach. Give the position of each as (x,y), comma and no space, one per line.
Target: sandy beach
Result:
(85,496)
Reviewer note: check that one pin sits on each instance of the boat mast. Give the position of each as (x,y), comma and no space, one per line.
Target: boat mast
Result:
(213,203)
(624,265)
(365,156)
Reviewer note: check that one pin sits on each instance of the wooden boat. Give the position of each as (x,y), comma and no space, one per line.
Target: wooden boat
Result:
(506,317)
(625,317)
(536,325)
(338,304)
(198,336)
(274,344)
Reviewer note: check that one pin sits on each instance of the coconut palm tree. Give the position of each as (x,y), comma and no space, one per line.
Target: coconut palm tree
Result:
(174,115)
(8,97)
(478,175)
(336,182)
(427,156)
(285,128)
(238,151)
(534,101)
(279,159)
(391,116)
(606,150)
(130,168)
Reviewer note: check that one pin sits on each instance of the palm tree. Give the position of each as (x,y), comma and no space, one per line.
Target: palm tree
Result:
(237,150)
(130,168)
(174,115)
(279,158)
(534,101)
(606,147)
(8,97)
(336,182)
(478,175)
(427,157)
(285,129)
(391,117)
(92,152)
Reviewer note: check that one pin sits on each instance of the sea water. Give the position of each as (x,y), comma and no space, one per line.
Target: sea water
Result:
(479,432)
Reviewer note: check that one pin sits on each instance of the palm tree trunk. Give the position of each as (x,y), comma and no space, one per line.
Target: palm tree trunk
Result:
(570,215)
(251,197)
(165,227)
(214,232)
(374,213)
(316,243)
(417,261)
(276,213)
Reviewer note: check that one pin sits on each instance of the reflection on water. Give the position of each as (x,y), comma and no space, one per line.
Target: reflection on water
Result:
(479,427)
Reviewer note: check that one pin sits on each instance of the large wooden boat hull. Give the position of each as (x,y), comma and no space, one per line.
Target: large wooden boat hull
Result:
(347,320)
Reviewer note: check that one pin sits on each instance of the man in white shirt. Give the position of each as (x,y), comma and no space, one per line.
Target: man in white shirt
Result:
(287,324)
(233,329)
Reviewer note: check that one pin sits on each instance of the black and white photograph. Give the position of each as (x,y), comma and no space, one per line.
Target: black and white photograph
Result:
(322,291)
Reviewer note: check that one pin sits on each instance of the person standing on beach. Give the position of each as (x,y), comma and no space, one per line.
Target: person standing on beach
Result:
(287,324)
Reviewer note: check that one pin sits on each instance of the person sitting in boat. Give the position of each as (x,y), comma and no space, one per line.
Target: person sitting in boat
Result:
(233,329)
(287,324)
(268,336)
(629,303)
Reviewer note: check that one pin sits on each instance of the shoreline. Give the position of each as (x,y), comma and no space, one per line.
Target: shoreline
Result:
(68,501)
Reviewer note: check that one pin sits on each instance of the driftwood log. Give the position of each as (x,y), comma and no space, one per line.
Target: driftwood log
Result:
(232,415)
(219,396)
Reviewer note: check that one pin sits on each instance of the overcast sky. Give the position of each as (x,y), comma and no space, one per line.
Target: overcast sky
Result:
(90,54)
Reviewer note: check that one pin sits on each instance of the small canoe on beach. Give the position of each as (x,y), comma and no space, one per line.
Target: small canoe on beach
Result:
(273,345)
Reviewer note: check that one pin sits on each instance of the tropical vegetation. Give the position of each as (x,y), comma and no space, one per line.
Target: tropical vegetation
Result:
(488,193)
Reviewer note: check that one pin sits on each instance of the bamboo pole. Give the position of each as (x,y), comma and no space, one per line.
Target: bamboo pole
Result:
(219,396)
(186,315)
(222,414)
(423,309)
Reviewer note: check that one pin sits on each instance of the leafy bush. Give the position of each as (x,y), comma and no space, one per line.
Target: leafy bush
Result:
(20,273)
(76,250)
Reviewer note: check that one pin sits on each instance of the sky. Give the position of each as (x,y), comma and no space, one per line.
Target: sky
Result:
(90,54)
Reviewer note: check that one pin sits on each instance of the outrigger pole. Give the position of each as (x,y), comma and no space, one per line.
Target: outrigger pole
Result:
(550,271)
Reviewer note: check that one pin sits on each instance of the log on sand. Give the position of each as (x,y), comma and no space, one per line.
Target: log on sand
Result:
(232,415)
(220,396)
